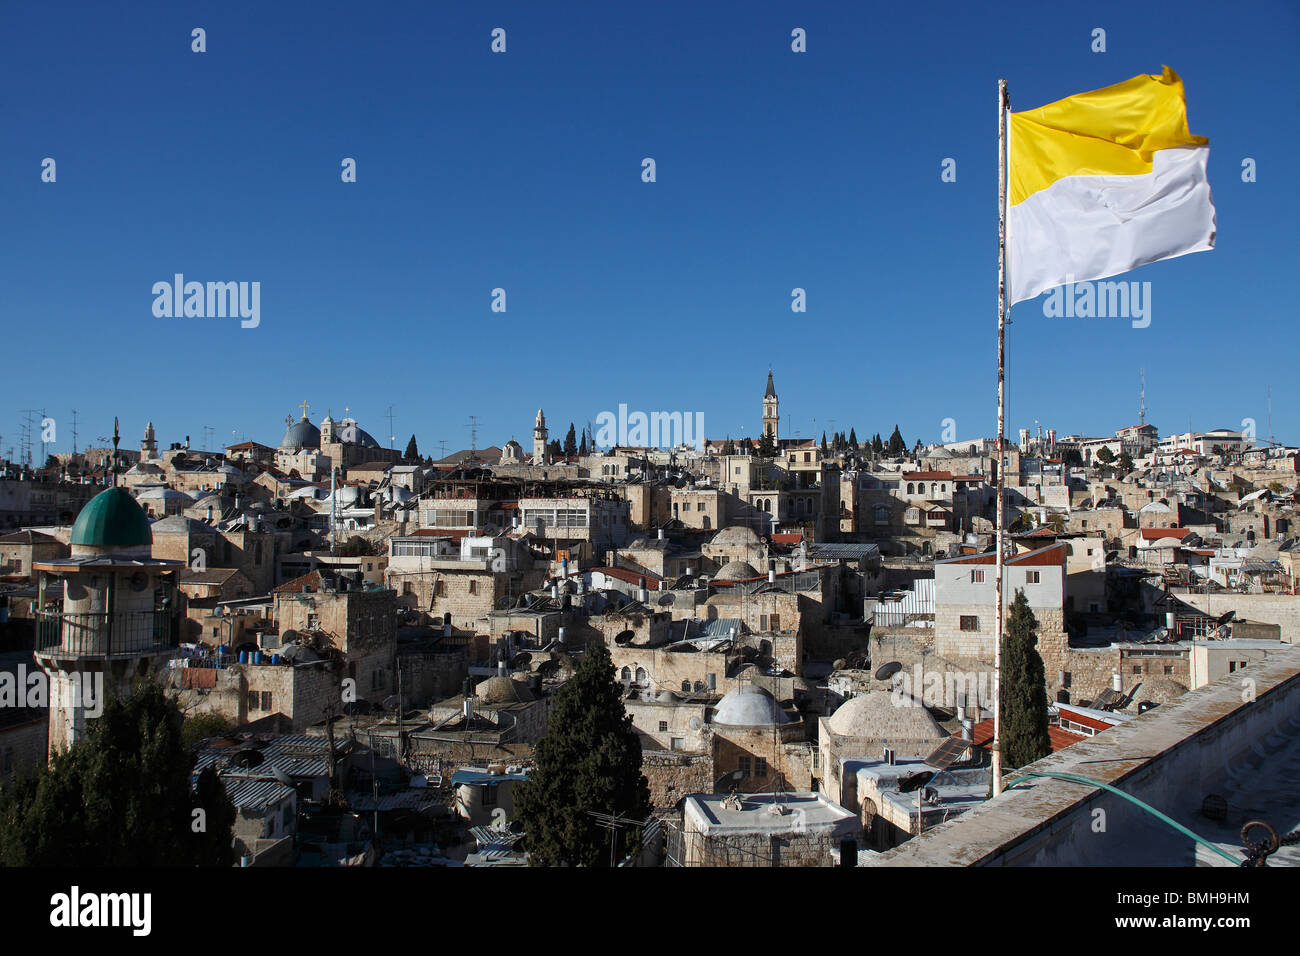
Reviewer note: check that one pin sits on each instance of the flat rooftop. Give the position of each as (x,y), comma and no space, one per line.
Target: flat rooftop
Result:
(803,812)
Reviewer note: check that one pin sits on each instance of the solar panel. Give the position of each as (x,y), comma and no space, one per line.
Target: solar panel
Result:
(1106,700)
(948,753)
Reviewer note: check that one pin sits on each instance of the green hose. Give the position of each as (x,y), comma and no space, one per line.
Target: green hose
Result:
(1076,778)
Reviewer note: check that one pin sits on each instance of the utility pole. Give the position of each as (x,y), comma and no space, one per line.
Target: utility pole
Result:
(74,434)
(392,437)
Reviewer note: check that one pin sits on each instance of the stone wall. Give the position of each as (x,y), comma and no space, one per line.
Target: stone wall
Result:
(672,776)
(1280,609)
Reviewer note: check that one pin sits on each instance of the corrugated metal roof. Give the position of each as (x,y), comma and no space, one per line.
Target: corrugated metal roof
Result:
(252,793)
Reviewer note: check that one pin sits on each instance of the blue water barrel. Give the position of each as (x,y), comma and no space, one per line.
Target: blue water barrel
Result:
(275,658)
(243,657)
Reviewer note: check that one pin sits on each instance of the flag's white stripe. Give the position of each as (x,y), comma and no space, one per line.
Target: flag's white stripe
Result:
(1090,227)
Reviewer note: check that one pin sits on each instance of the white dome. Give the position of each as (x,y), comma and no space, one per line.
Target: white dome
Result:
(735,571)
(736,534)
(749,706)
(880,714)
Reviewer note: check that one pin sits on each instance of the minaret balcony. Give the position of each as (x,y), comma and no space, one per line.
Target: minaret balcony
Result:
(100,634)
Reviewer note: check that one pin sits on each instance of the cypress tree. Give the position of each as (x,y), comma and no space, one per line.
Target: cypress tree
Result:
(589,759)
(1024,689)
(853,440)
(412,452)
(120,797)
(896,444)
(570,442)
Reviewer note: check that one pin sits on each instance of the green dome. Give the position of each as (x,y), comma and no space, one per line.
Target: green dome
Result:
(112,519)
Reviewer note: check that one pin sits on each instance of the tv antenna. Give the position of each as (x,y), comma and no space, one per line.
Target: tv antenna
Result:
(1142,407)
(473,437)
(392,437)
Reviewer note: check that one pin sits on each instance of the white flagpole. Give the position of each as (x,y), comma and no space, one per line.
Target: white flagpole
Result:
(1003,105)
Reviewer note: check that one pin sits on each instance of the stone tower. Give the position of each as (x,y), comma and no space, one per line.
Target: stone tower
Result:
(119,617)
(539,438)
(771,415)
(149,446)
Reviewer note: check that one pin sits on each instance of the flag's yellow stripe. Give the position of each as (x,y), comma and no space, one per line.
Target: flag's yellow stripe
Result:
(1108,132)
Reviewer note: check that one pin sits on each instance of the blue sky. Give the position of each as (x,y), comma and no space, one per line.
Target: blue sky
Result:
(522,171)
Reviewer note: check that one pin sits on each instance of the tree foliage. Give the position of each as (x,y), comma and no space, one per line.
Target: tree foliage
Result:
(896,444)
(120,797)
(1023,689)
(589,760)
(412,452)
(570,442)
(767,446)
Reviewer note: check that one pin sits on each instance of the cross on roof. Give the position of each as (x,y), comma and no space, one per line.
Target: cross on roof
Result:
(304,405)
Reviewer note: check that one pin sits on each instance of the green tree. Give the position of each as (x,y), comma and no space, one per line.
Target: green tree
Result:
(582,443)
(1105,456)
(728,447)
(120,797)
(1024,689)
(412,452)
(767,446)
(1124,463)
(853,440)
(588,760)
(553,449)
(570,442)
(1072,458)
(877,446)
(825,450)
(199,727)
(896,444)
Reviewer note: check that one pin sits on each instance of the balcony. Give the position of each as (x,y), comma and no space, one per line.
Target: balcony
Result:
(106,635)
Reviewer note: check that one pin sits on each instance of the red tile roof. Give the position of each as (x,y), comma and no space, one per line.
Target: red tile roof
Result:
(1153,534)
(927,475)
(633,577)
(1051,556)
(982,736)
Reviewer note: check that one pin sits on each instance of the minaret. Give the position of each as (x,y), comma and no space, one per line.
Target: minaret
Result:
(539,439)
(118,618)
(149,446)
(771,416)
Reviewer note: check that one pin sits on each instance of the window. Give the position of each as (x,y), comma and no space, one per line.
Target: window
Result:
(266,700)
(440,590)
(760,767)
(1031,577)
(676,743)
(969,622)
(699,506)
(744,766)
(1169,668)
(663,726)
(252,700)
(488,796)
(1137,668)
(977,577)
(473,586)
(686,687)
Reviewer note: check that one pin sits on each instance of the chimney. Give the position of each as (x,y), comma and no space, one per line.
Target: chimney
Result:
(560,637)
(642,594)
(661,534)
(1116,682)
(468,692)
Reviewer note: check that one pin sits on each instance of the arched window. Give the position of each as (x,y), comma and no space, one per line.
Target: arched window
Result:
(625,675)
(686,687)
(641,676)
(909,488)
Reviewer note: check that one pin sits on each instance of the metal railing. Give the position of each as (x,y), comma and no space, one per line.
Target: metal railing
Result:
(101,634)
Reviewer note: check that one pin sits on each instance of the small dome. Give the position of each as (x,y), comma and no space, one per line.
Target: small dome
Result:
(749,706)
(737,534)
(735,571)
(879,714)
(502,690)
(112,519)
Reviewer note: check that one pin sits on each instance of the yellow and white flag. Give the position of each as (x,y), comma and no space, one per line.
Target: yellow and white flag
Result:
(1103,182)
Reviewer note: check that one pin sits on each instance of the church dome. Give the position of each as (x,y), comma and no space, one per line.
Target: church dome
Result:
(112,519)
(301,434)
(749,706)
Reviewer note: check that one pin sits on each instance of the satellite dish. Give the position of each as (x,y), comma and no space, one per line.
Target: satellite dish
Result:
(283,777)
(666,600)
(695,723)
(625,638)
(886,671)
